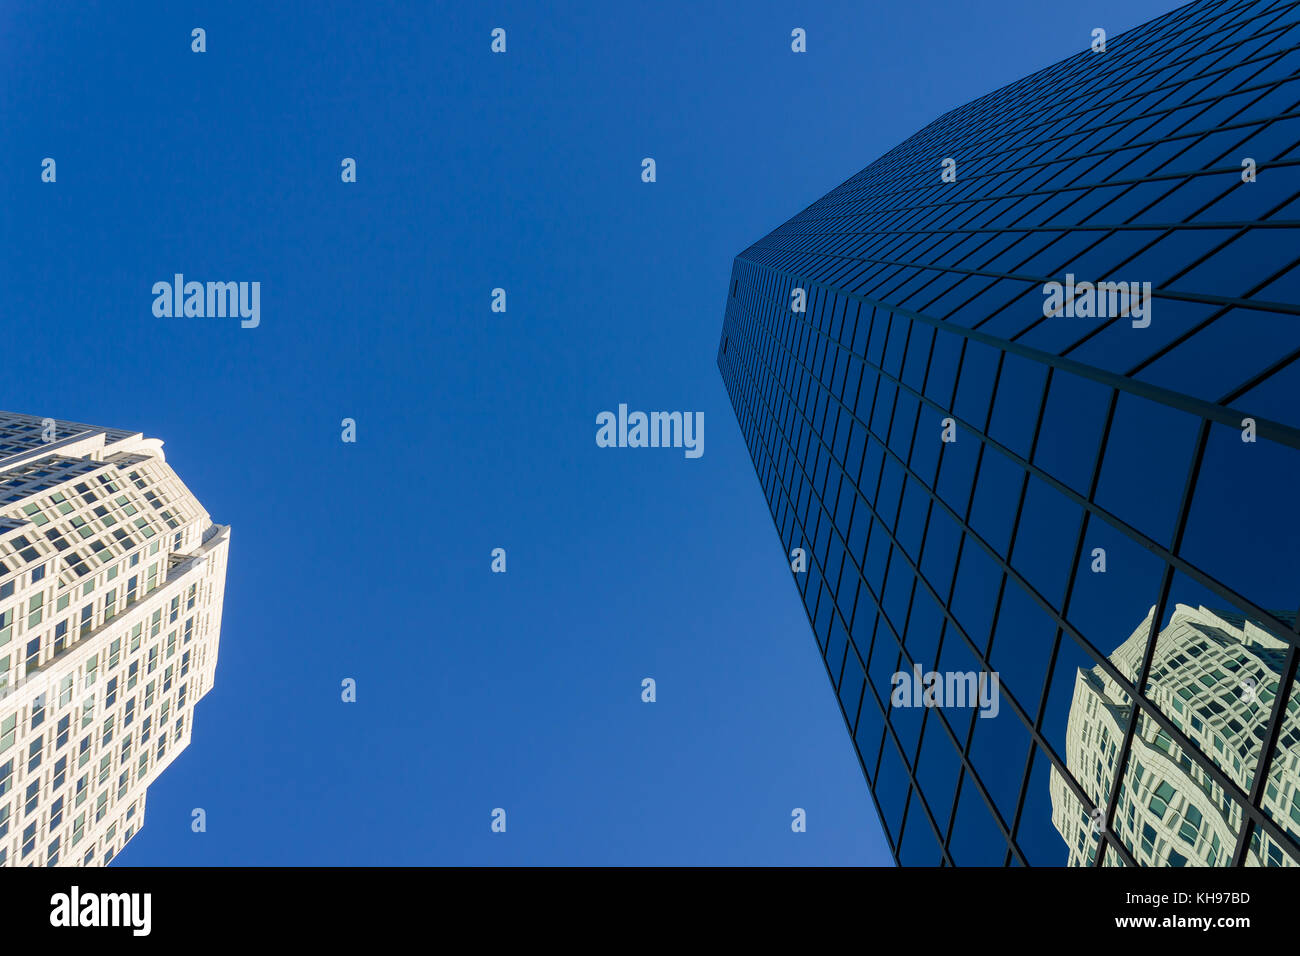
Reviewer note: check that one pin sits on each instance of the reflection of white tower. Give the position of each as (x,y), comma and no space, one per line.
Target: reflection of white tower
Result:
(111,584)
(1094,733)
(1215,675)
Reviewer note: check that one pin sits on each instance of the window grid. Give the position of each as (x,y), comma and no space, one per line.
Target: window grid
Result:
(825,441)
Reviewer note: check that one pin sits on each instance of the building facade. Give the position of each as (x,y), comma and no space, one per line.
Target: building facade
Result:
(111,584)
(1027,382)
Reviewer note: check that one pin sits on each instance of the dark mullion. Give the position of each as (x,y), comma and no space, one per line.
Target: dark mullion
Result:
(1259,786)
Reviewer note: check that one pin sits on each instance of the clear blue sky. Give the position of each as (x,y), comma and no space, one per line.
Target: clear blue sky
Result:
(476,430)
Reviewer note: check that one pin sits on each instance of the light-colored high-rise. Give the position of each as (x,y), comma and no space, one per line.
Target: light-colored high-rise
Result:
(1217,673)
(111,584)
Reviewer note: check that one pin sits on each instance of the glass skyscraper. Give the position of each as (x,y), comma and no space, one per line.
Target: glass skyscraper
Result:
(1024,399)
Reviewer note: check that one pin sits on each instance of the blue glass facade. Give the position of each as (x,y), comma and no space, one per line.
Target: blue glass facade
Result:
(1052,560)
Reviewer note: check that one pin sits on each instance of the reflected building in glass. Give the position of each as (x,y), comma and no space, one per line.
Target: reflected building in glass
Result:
(1023,396)
(1219,673)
